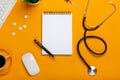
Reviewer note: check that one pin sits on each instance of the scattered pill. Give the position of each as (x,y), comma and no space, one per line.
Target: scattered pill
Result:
(14,23)
(24,26)
(25,16)
(20,28)
(13,33)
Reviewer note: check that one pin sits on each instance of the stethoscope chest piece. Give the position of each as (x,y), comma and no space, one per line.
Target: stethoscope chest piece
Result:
(92,70)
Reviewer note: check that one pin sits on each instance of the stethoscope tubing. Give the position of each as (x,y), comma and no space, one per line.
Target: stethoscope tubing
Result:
(85,42)
(92,70)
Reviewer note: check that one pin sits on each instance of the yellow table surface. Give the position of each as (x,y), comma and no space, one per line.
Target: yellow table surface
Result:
(63,67)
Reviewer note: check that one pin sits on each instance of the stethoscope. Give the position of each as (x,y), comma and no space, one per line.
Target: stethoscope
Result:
(92,70)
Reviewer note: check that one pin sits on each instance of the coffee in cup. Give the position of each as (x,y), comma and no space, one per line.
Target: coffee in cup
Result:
(3,60)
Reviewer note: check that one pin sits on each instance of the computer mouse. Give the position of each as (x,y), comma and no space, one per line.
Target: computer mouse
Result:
(30,64)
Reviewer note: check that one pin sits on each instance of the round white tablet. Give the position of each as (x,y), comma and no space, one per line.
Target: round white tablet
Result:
(13,33)
(20,28)
(24,26)
(25,16)
(14,23)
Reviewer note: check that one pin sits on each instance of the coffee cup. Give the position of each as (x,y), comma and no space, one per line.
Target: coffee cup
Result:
(3,61)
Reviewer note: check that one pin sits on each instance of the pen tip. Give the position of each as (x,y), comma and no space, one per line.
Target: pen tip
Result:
(35,40)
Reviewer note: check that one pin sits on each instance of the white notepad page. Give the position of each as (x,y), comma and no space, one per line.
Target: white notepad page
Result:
(57,33)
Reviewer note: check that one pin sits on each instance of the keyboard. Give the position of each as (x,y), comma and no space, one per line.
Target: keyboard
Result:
(5,8)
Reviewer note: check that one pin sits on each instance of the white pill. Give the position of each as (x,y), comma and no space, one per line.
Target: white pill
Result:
(14,23)
(13,33)
(20,28)
(24,26)
(25,16)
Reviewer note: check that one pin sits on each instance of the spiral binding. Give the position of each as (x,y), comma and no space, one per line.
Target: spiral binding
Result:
(57,13)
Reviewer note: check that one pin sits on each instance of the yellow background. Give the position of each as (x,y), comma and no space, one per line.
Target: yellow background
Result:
(63,67)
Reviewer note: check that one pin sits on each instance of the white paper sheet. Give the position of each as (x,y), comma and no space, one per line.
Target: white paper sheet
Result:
(57,33)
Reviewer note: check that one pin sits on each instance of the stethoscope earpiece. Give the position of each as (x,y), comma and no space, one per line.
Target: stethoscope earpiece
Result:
(92,70)
(111,2)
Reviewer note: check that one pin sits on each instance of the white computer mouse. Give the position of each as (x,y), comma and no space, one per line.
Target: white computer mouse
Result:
(30,64)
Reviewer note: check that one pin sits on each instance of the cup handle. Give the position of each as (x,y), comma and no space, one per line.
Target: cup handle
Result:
(7,57)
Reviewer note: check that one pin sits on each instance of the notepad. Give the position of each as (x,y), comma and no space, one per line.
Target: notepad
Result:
(57,32)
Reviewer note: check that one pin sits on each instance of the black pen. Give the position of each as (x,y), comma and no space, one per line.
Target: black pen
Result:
(45,49)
